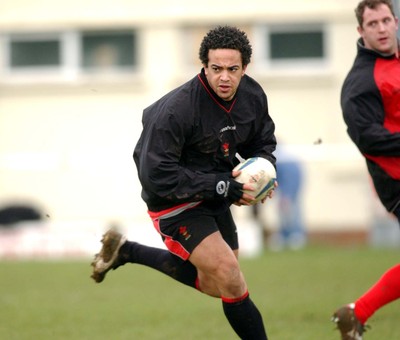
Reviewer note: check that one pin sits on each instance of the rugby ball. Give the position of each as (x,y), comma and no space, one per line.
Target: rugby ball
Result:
(260,173)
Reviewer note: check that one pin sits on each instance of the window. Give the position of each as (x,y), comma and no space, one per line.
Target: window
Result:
(298,48)
(68,55)
(296,45)
(108,50)
(35,53)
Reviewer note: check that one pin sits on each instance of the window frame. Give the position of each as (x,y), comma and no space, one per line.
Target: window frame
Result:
(70,68)
(8,39)
(86,69)
(294,66)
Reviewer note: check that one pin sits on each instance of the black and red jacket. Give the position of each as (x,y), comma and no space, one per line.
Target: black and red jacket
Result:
(191,134)
(370,101)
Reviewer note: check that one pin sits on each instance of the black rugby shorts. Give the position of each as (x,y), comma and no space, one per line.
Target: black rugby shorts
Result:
(183,233)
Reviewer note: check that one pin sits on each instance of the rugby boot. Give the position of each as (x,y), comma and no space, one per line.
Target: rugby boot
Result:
(107,258)
(347,323)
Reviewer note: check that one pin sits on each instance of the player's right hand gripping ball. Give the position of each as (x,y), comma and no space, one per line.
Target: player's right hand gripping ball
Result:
(260,173)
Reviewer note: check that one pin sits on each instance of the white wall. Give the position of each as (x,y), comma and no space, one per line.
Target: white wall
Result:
(69,146)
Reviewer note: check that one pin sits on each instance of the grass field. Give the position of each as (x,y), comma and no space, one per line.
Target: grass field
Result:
(295,291)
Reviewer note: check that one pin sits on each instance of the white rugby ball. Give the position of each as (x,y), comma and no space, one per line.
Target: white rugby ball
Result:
(260,173)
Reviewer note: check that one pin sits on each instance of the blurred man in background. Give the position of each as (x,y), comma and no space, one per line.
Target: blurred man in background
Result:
(291,231)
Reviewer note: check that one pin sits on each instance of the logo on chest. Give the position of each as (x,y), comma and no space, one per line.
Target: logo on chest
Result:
(225,149)
(225,145)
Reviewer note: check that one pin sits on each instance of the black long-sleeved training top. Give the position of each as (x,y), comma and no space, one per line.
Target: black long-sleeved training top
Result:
(191,134)
(370,101)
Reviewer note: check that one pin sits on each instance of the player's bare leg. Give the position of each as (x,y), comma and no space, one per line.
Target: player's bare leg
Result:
(218,268)
(219,274)
(208,284)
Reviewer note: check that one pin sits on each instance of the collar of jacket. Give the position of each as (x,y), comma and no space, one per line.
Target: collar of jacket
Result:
(361,48)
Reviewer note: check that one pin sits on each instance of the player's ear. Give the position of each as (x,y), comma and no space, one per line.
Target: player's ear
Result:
(244,70)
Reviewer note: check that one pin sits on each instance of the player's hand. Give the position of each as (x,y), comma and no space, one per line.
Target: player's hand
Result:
(271,193)
(246,198)
(227,187)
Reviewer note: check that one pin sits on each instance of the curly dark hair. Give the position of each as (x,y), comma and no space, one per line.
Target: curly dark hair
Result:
(226,37)
(372,4)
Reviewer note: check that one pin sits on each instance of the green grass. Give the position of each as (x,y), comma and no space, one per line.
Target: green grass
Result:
(296,293)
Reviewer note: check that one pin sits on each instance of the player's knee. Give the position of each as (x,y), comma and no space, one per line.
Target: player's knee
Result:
(230,277)
(225,280)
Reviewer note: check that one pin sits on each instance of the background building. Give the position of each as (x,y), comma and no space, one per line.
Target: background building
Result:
(76,75)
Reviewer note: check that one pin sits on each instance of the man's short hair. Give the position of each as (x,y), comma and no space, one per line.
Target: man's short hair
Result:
(372,4)
(226,37)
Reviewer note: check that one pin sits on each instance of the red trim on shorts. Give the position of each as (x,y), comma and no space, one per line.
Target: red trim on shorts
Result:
(158,214)
(176,248)
(197,284)
(173,246)
(234,300)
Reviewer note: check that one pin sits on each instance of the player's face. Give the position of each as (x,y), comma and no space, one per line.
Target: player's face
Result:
(379,29)
(224,72)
